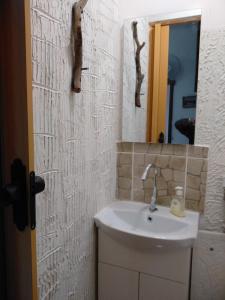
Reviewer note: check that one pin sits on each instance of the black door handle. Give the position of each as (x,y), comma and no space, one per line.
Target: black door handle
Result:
(9,195)
(37,185)
(15,194)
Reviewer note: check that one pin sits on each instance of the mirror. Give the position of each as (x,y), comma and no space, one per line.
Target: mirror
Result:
(160,77)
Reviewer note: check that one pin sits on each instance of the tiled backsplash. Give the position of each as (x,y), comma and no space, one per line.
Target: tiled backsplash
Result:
(178,165)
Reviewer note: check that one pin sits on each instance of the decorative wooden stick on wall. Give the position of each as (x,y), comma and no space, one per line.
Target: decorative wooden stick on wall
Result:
(139,75)
(78,45)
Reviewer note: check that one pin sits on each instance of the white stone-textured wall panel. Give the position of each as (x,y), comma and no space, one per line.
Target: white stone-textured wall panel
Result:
(74,141)
(208,267)
(210,126)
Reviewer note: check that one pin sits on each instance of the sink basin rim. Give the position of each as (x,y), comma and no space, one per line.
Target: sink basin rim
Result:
(180,238)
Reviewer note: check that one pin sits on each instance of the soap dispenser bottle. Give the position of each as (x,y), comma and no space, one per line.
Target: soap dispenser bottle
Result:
(178,203)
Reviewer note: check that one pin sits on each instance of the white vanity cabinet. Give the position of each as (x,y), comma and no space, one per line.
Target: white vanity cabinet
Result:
(132,273)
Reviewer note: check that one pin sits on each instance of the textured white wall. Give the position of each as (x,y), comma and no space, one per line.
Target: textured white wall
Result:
(209,267)
(74,141)
(213,11)
(210,126)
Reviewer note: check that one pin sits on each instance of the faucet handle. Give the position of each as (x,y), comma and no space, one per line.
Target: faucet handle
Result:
(146,172)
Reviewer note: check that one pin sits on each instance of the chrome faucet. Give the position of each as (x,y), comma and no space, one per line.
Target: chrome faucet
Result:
(144,177)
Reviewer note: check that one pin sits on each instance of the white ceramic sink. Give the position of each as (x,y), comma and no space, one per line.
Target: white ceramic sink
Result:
(132,223)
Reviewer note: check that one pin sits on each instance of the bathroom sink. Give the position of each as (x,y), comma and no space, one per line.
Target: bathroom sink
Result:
(132,223)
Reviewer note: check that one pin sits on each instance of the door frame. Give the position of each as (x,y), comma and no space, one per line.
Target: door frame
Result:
(158,86)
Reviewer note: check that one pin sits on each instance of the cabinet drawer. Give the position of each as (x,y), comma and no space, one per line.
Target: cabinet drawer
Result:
(115,283)
(153,288)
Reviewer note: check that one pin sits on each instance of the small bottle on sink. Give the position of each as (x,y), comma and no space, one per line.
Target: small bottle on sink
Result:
(177,207)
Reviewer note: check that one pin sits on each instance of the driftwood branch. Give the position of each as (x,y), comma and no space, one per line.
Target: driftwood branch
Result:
(78,45)
(139,75)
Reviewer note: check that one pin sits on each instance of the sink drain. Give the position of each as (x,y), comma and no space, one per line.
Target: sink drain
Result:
(150,219)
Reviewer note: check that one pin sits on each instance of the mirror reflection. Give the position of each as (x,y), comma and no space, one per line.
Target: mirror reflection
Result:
(160,79)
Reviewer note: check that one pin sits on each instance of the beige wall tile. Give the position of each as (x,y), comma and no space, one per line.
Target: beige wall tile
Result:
(193,194)
(150,159)
(192,205)
(139,195)
(124,194)
(162,161)
(141,148)
(180,150)
(178,176)
(138,183)
(148,195)
(201,205)
(164,200)
(193,182)
(161,193)
(177,163)
(194,166)
(139,160)
(167,149)
(203,189)
(167,174)
(203,177)
(124,159)
(124,175)
(138,171)
(155,148)
(124,147)
(139,166)
(197,151)
(148,184)
(205,165)
(125,171)
(161,183)
(124,183)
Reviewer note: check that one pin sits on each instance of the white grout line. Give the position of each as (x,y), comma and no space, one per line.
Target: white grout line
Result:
(185,174)
(132,179)
(154,154)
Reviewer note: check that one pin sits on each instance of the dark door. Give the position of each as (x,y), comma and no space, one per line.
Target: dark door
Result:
(17,136)
(2,248)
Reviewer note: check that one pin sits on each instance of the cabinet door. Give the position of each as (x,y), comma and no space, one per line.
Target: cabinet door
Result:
(116,283)
(154,288)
